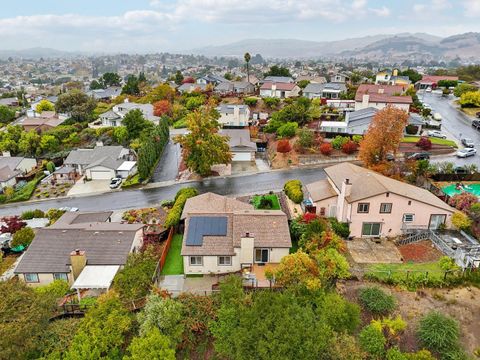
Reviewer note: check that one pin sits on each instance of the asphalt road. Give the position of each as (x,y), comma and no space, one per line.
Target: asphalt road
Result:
(237,185)
(455,123)
(167,168)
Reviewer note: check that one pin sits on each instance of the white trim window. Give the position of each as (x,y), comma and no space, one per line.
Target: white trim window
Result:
(31,278)
(385,208)
(371,229)
(60,276)
(196,260)
(408,218)
(262,255)
(224,260)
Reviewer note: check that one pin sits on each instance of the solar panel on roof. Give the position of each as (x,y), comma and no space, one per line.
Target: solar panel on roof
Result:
(200,226)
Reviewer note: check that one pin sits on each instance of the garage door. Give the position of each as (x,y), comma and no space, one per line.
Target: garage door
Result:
(242,156)
(101,175)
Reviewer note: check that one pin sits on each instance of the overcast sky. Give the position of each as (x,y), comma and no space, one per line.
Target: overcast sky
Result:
(173,25)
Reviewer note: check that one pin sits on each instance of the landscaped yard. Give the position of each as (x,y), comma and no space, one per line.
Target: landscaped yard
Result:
(174,262)
(435,141)
(6,263)
(470,111)
(270,198)
(384,272)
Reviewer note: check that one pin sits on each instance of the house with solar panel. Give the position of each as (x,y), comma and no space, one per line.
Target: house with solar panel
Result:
(225,235)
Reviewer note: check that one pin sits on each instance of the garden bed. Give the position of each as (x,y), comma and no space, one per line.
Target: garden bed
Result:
(434,140)
(48,190)
(267,199)
(420,252)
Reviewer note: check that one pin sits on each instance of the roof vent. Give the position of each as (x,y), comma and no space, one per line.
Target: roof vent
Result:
(96,232)
(120,232)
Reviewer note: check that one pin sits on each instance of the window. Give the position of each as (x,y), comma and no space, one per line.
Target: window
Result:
(371,229)
(31,278)
(60,276)
(196,261)
(385,208)
(363,208)
(225,260)
(408,217)
(261,255)
(409,202)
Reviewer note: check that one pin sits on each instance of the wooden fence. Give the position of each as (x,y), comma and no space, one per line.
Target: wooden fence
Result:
(163,256)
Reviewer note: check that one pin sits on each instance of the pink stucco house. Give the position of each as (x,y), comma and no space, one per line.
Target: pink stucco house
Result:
(375,205)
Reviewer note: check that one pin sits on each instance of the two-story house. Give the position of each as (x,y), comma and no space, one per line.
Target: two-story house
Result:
(380,96)
(234,115)
(280,90)
(115,116)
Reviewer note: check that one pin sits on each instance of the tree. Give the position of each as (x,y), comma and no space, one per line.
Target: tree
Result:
(203,146)
(95,85)
(412,74)
(298,269)
(306,138)
(29,143)
(78,105)
(463,201)
(120,134)
(162,107)
(276,70)
(135,123)
(152,345)
(332,265)
(303,83)
(373,342)
(110,79)
(102,332)
(12,224)
(178,77)
(288,129)
(132,86)
(49,143)
(23,237)
(383,135)
(45,105)
(7,115)
(460,89)
(247,59)
(470,99)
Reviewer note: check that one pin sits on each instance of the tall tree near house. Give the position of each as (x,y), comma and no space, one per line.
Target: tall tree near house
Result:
(203,146)
(247,58)
(383,135)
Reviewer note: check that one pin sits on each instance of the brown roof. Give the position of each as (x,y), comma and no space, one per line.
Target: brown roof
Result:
(367,183)
(48,121)
(280,86)
(436,78)
(213,203)
(6,173)
(320,190)
(383,94)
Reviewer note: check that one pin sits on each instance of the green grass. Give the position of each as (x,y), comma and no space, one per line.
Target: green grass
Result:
(174,262)
(131,181)
(6,263)
(399,271)
(436,141)
(272,197)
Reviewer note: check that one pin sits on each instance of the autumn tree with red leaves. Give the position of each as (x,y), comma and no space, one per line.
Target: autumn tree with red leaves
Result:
(162,107)
(349,147)
(284,146)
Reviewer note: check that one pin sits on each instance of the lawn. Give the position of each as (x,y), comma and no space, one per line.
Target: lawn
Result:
(399,271)
(470,111)
(274,198)
(174,262)
(6,263)
(435,141)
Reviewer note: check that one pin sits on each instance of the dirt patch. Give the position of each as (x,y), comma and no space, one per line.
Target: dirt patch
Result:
(422,251)
(459,303)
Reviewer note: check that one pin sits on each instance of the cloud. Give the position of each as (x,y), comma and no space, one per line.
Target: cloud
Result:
(382,12)
(472,8)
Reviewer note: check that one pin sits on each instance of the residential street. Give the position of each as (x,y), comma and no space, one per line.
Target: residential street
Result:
(167,167)
(455,123)
(263,182)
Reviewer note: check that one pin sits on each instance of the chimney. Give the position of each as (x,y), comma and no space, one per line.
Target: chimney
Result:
(274,88)
(236,113)
(395,72)
(342,203)
(78,260)
(347,188)
(247,249)
(365,100)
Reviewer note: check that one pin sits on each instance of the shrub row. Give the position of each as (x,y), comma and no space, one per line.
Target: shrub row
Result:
(32,214)
(293,189)
(175,213)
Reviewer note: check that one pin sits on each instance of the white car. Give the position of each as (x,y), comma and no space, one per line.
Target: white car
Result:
(466,152)
(115,183)
(427,106)
(68,209)
(437,134)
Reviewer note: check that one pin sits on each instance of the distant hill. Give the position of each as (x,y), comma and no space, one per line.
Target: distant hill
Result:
(36,53)
(392,47)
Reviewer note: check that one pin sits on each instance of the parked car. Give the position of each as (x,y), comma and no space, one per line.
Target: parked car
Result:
(419,156)
(68,209)
(115,183)
(466,152)
(437,116)
(428,89)
(427,106)
(476,124)
(390,157)
(437,134)
(478,114)
(460,170)
(468,143)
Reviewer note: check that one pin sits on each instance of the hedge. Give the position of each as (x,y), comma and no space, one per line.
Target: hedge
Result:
(175,213)
(293,189)
(32,214)
(25,193)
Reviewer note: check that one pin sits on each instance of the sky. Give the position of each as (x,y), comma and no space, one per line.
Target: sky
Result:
(141,26)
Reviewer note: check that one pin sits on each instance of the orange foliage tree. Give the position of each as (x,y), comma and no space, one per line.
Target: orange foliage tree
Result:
(298,269)
(162,107)
(283,146)
(383,135)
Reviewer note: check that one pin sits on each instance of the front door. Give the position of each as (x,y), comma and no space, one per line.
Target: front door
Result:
(436,221)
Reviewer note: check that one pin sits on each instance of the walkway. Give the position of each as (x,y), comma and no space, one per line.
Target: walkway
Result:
(167,167)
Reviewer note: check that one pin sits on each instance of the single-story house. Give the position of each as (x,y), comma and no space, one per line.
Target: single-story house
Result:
(279,90)
(115,116)
(339,78)
(328,90)
(242,148)
(375,205)
(13,166)
(10,102)
(243,87)
(189,87)
(431,81)
(47,120)
(211,79)
(380,96)
(278,79)
(225,235)
(234,115)
(107,94)
(102,162)
(79,242)
(224,88)
(65,175)
(389,77)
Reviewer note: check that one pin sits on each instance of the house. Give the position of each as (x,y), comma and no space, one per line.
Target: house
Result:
(340,78)
(115,116)
(389,77)
(243,88)
(224,88)
(47,120)
(10,102)
(107,94)
(102,162)
(312,79)
(380,96)
(431,81)
(224,235)
(234,115)
(79,245)
(328,90)
(242,148)
(279,90)
(189,87)
(11,167)
(375,205)
(278,79)
(211,79)
(65,175)
(358,122)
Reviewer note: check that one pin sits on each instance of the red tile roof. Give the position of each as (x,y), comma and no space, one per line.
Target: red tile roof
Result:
(433,79)
(280,86)
(383,94)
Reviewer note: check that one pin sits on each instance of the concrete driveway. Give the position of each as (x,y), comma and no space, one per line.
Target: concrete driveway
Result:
(89,187)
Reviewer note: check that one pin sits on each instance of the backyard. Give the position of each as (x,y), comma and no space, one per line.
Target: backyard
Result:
(434,140)
(174,262)
(268,202)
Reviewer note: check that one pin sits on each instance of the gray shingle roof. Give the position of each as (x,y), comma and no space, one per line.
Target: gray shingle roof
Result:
(239,139)
(88,156)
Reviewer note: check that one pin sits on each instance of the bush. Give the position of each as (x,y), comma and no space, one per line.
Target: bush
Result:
(271,102)
(32,214)
(461,221)
(50,167)
(373,342)
(23,237)
(288,129)
(357,138)
(411,129)
(463,201)
(376,300)
(349,147)
(424,143)
(175,213)
(438,332)
(250,101)
(180,124)
(342,229)
(339,141)
(306,138)
(293,189)
(326,149)
(265,203)
(283,146)
(26,192)
(56,289)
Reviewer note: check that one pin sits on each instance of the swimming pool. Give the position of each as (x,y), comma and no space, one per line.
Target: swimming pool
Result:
(451,190)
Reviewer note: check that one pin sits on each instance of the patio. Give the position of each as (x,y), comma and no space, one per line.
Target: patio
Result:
(368,251)
(255,277)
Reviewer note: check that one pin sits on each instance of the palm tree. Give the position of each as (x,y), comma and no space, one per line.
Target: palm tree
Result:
(247,58)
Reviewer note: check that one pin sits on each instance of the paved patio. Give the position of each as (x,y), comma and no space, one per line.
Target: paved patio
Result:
(240,167)
(89,187)
(367,251)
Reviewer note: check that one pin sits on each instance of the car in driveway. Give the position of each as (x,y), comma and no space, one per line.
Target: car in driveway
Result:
(115,183)
(476,124)
(436,134)
(463,153)
(478,114)
(419,156)
(468,143)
